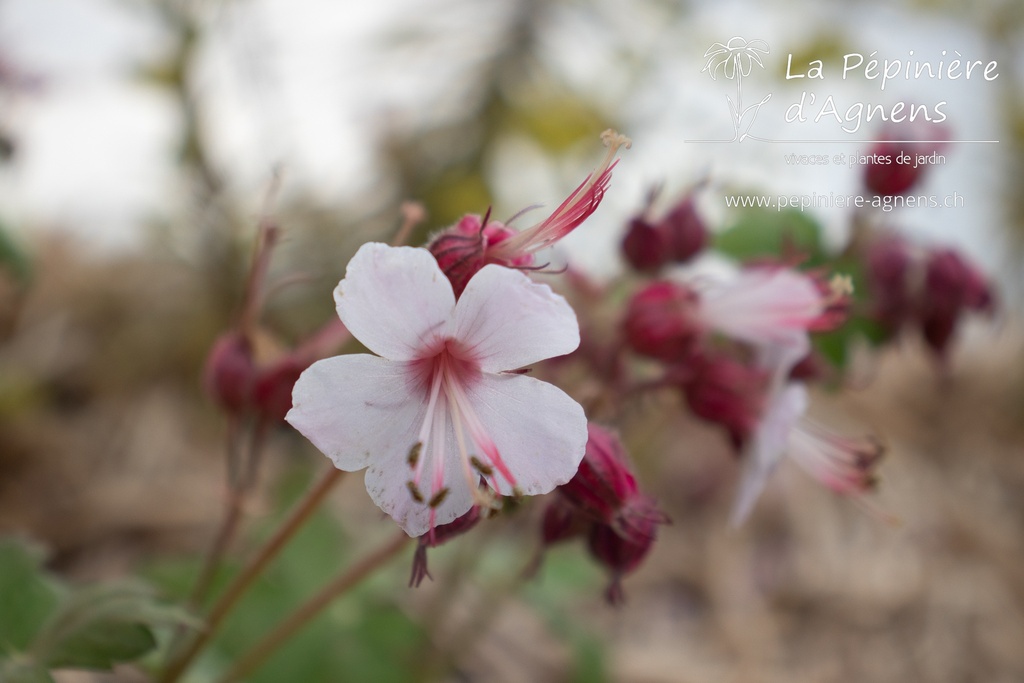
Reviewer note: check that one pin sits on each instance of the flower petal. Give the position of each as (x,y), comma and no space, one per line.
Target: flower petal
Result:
(768,446)
(395,300)
(508,321)
(763,305)
(538,430)
(387,482)
(357,409)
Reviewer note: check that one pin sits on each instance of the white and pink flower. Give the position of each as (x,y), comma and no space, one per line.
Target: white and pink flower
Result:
(438,412)
(844,465)
(771,308)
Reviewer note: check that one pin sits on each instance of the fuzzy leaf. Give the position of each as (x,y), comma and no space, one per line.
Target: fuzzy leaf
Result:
(104,624)
(23,671)
(27,595)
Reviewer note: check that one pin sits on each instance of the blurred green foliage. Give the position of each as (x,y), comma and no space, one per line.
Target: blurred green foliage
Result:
(47,624)
(769,234)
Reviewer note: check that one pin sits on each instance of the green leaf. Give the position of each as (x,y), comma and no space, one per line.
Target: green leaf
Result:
(101,625)
(101,644)
(836,345)
(20,670)
(759,233)
(27,595)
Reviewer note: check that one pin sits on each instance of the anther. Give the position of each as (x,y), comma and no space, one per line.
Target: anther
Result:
(415,492)
(438,498)
(414,454)
(841,286)
(480,466)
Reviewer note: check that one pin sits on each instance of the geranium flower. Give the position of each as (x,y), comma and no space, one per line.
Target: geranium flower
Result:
(773,309)
(473,242)
(438,411)
(736,56)
(845,465)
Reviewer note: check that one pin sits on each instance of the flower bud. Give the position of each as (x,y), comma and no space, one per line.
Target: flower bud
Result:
(808,368)
(884,176)
(644,246)
(229,372)
(951,286)
(662,322)
(898,161)
(272,389)
(603,482)
(561,521)
(683,231)
(888,267)
(720,389)
(462,250)
(621,552)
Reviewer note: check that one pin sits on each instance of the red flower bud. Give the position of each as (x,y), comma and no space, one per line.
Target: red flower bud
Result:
(604,501)
(462,250)
(644,246)
(951,286)
(603,482)
(622,552)
(272,390)
(683,231)
(661,321)
(720,389)
(561,521)
(808,368)
(886,174)
(229,372)
(888,267)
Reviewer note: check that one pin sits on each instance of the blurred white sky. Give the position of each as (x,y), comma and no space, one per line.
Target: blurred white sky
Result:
(305,82)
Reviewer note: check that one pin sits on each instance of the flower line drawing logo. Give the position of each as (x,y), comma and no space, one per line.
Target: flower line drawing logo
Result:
(735,59)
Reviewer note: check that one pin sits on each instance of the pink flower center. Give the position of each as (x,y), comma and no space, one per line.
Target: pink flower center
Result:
(445,375)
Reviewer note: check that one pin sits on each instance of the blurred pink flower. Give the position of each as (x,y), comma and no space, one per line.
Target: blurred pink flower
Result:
(438,412)
(771,308)
(845,465)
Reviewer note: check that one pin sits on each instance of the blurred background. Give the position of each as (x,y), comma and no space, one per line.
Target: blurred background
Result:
(139,140)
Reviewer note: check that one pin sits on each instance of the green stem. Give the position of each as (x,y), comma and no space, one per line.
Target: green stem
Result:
(298,516)
(259,653)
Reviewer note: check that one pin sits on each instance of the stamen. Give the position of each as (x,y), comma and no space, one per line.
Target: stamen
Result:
(438,498)
(840,287)
(414,454)
(455,400)
(414,491)
(427,428)
(462,406)
(480,467)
